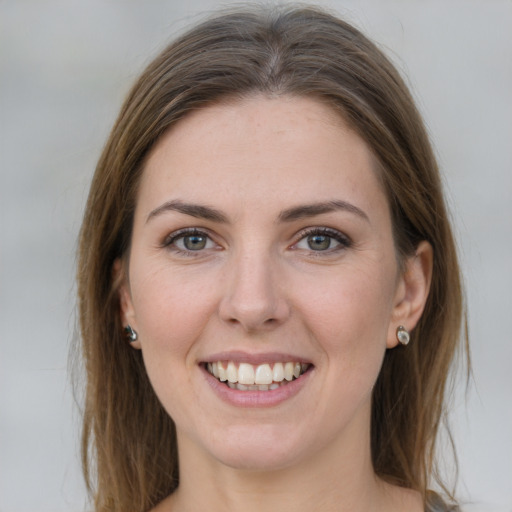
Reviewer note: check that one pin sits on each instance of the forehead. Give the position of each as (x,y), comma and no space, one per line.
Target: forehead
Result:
(261,150)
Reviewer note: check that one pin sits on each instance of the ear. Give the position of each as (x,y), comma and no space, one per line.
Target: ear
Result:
(411,292)
(127,310)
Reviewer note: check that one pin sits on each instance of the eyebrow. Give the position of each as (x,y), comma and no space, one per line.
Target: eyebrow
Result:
(310,210)
(194,210)
(288,215)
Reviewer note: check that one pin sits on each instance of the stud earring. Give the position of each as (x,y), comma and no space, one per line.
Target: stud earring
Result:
(131,334)
(402,335)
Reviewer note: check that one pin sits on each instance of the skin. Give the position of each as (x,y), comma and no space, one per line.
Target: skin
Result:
(259,287)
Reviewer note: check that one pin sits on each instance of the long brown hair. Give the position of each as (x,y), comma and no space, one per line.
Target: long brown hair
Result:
(129,443)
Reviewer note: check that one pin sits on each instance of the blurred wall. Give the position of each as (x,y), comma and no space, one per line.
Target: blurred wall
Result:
(64,70)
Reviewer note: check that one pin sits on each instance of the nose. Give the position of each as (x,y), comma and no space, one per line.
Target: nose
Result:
(254,295)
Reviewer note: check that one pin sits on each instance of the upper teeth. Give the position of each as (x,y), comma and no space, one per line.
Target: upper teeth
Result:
(262,374)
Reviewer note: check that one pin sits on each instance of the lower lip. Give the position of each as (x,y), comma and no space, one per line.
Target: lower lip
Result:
(268,398)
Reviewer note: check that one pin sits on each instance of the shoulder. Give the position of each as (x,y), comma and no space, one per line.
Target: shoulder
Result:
(436,504)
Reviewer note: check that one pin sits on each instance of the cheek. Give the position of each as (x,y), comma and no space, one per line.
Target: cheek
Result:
(171,314)
(171,309)
(348,312)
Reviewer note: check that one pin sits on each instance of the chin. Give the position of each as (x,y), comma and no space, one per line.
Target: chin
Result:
(261,448)
(256,460)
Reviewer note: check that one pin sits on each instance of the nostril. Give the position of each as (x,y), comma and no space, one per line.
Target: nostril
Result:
(268,321)
(253,309)
(254,326)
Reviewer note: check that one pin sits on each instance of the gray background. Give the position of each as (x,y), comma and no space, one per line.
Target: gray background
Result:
(64,69)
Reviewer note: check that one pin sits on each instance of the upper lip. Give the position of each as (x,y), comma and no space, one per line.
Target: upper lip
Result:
(255,359)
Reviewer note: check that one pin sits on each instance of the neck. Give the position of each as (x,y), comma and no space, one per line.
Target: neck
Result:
(309,487)
(339,478)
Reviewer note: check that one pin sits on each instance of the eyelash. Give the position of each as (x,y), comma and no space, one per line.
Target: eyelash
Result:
(170,241)
(343,241)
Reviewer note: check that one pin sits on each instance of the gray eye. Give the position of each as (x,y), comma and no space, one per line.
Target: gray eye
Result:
(319,242)
(190,241)
(194,242)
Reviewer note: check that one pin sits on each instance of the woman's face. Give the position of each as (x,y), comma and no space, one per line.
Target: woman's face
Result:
(262,250)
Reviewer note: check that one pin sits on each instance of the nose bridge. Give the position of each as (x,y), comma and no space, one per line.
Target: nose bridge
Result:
(253,296)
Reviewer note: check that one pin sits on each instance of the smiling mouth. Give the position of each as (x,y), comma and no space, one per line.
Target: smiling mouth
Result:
(262,377)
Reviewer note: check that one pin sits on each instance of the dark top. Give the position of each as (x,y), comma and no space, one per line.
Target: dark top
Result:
(436,504)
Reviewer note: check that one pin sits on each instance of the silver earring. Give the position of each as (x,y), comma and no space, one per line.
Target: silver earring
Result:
(402,335)
(131,333)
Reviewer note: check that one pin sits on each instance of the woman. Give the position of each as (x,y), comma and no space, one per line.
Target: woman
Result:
(270,299)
